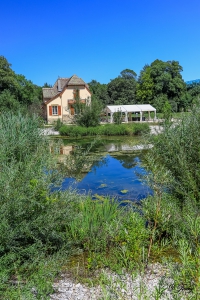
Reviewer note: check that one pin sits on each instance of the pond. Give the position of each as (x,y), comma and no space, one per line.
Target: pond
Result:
(116,171)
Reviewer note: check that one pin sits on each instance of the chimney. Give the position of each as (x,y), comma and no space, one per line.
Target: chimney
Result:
(59,86)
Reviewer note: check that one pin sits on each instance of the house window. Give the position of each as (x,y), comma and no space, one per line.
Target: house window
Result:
(54,110)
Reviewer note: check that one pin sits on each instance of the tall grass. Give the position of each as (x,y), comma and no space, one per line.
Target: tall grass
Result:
(31,223)
(173,211)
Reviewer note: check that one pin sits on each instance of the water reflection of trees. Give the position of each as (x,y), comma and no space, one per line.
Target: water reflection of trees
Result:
(100,162)
(128,161)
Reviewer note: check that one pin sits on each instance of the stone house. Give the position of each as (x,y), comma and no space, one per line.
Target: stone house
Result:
(58,101)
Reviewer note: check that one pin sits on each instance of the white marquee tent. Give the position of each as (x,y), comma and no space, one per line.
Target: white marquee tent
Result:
(127,110)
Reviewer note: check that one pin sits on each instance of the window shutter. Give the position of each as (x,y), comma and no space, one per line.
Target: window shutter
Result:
(50,110)
(59,110)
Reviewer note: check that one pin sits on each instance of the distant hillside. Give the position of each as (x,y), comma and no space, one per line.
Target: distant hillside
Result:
(193,81)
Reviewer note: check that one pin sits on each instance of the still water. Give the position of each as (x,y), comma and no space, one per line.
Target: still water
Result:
(118,175)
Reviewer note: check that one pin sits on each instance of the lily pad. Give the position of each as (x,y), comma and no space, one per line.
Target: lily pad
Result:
(124,191)
(103,185)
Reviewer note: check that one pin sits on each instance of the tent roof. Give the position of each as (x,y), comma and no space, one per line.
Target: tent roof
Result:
(115,108)
(130,108)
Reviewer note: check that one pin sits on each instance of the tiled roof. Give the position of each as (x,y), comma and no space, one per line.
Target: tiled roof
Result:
(60,84)
(48,93)
(75,80)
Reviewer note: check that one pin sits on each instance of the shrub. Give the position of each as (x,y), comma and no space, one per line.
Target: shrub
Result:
(173,212)
(178,150)
(32,218)
(89,115)
(58,124)
(65,130)
(117,117)
(139,129)
(108,129)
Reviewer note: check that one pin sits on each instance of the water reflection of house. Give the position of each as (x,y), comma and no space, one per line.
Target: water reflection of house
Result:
(63,150)
(125,147)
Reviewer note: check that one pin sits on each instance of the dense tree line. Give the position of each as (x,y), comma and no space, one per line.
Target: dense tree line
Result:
(157,83)
(16,91)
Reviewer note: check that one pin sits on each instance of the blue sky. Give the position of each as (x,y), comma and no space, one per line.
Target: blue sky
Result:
(97,39)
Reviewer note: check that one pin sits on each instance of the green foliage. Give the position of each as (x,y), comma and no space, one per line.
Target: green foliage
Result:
(167,111)
(101,226)
(177,149)
(141,128)
(40,228)
(32,217)
(173,211)
(16,91)
(144,91)
(94,220)
(7,76)
(122,90)
(193,90)
(108,129)
(128,74)
(27,92)
(117,117)
(89,115)
(37,224)
(58,124)
(159,102)
(8,101)
(99,91)
(162,81)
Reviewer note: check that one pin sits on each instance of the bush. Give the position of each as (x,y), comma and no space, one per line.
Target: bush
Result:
(108,129)
(178,150)
(117,117)
(58,124)
(172,213)
(139,129)
(89,115)
(32,218)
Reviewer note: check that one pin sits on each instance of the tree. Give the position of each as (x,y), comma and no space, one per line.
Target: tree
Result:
(27,92)
(7,76)
(117,117)
(162,80)
(122,90)
(47,85)
(144,88)
(8,101)
(16,90)
(100,92)
(167,112)
(193,93)
(128,74)
(89,115)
